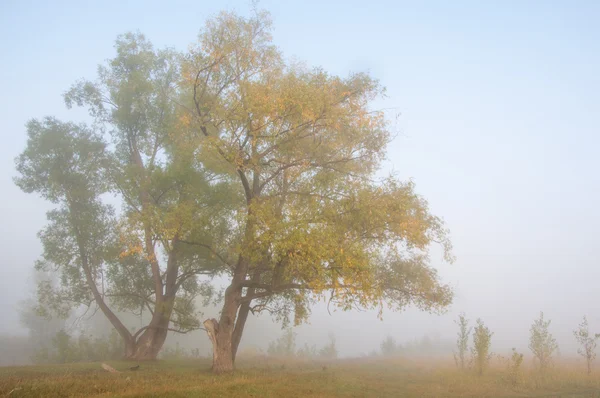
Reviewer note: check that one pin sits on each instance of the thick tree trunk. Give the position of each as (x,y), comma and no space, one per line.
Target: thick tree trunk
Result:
(153,337)
(129,349)
(148,345)
(225,341)
(221,332)
(221,342)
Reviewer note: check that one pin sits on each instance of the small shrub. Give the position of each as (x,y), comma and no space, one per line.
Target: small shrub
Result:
(389,346)
(330,350)
(482,341)
(373,354)
(541,342)
(462,341)
(66,349)
(284,346)
(195,353)
(587,342)
(514,368)
(174,352)
(307,351)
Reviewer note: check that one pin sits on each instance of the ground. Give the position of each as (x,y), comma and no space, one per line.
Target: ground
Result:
(277,378)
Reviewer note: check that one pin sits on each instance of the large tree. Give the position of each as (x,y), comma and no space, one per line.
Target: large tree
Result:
(228,159)
(304,148)
(138,259)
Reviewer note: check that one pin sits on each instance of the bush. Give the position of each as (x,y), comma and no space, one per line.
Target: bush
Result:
(307,351)
(462,342)
(329,351)
(177,352)
(389,346)
(66,349)
(587,342)
(482,341)
(284,346)
(514,369)
(541,342)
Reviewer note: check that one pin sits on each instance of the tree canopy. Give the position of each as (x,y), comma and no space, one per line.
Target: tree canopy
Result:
(132,261)
(304,147)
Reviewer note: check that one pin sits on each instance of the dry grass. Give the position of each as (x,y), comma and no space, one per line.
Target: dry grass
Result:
(280,378)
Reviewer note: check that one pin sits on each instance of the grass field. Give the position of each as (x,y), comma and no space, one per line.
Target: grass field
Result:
(273,378)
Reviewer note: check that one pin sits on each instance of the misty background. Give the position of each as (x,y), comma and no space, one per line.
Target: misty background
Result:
(498,109)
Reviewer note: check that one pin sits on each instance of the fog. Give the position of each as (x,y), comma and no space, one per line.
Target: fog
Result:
(497,127)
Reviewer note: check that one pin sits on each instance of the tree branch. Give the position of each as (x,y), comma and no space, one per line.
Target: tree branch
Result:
(186,275)
(213,251)
(269,290)
(180,331)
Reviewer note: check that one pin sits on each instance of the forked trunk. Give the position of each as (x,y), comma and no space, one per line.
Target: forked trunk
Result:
(222,348)
(221,332)
(147,346)
(129,349)
(225,334)
(225,341)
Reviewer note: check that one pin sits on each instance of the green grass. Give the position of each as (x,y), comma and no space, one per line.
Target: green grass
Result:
(272,378)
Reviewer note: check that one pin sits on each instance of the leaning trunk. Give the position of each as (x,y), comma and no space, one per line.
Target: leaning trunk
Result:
(239,329)
(153,337)
(99,298)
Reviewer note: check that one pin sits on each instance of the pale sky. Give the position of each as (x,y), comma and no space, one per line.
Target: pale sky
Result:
(499,104)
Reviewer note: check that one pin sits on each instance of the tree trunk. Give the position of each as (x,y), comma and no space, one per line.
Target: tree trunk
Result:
(147,347)
(221,332)
(129,349)
(225,341)
(222,348)
(242,317)
(239,329)
(589,366)
(153,337)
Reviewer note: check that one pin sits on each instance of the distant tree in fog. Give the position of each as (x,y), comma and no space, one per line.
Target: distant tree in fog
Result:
(285,345)
(587,342)
(329,350)
(541,342)
(41,329)
(307,351)
(462,342)
(389,346)
(514,367)
(482,342)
